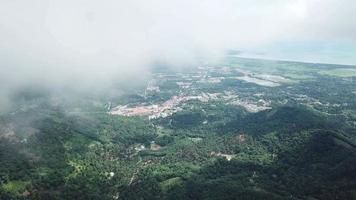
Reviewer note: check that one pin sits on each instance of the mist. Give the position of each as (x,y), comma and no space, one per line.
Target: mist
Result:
(87,45)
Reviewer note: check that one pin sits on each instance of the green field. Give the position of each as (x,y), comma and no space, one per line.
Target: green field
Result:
(346,72)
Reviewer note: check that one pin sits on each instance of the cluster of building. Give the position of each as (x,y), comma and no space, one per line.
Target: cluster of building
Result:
(184,85)
(141,147)
(173,105)
(253,107)
(157,110)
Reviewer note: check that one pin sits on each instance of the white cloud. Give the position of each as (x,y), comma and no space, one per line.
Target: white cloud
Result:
(89,42)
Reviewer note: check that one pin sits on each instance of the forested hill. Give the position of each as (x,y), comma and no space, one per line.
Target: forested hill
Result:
(284,153)
(245,129)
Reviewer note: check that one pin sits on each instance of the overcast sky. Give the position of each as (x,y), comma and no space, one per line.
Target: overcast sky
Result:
(91,42)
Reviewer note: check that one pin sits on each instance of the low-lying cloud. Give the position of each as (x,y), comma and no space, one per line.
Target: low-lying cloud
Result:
(89,43)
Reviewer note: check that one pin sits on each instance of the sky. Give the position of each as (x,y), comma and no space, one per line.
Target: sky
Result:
(90,43)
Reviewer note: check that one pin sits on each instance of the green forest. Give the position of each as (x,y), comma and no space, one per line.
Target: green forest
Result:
(73,148)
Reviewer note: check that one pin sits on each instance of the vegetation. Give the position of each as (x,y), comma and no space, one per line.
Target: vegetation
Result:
(340,72)
(298,149)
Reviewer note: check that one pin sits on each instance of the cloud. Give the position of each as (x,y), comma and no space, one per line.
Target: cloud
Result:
(87,43)
(324,19)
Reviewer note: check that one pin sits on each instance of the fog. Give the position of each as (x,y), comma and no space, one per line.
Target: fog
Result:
(89,44)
